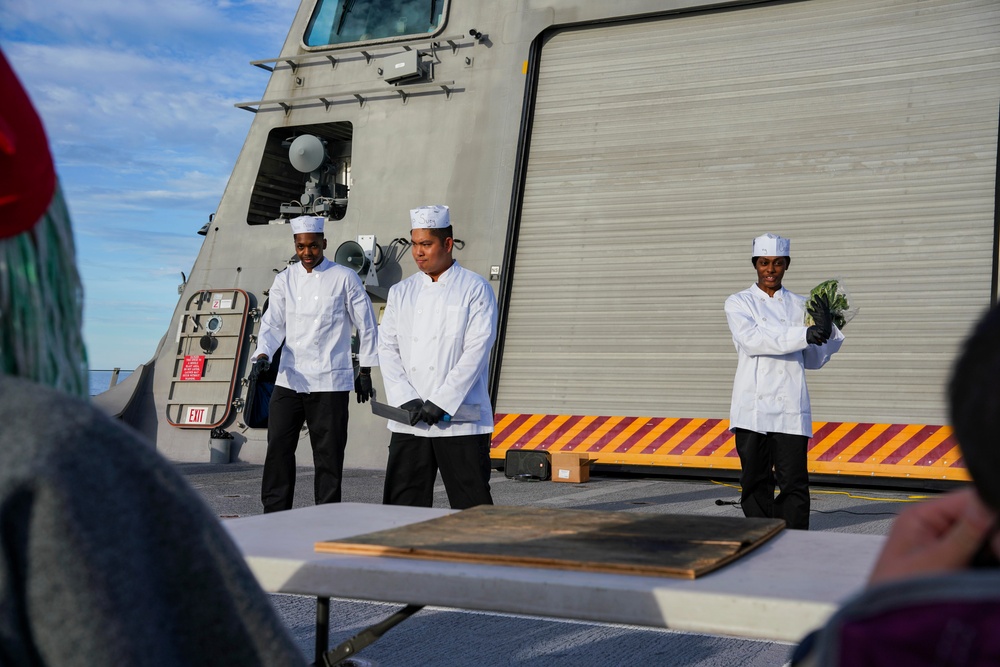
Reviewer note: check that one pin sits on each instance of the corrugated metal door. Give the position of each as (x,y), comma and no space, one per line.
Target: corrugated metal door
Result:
(864,130)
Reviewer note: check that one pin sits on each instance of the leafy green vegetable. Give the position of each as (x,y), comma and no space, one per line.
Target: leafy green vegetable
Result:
(840,307)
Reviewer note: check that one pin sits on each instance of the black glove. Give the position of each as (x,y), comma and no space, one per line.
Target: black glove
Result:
(363,385)
(814,336)
(260,365)
(431,413)
(413,407)
(823,318)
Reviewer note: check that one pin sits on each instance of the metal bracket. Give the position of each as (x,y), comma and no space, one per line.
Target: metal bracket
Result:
(367,637)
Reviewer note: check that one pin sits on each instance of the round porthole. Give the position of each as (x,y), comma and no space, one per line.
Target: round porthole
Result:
(214,324)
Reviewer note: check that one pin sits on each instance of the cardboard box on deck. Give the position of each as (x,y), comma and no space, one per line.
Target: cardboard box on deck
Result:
(572,467)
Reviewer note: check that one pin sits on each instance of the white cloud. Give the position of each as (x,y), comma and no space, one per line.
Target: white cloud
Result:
(154,24)
(137,100)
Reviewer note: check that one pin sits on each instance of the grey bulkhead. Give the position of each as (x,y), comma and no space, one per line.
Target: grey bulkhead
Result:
(454,147)
(458,145)
(457,148)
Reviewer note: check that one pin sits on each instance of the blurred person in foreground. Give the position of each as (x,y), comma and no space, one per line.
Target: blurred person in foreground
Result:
(107,556)
(934,594)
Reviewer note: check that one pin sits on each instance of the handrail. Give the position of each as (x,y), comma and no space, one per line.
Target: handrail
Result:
(369,53)
(287,103)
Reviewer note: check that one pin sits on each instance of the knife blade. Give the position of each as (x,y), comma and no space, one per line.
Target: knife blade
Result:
(464,414)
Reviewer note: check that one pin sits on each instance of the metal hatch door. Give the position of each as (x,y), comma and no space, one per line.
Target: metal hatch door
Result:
(209,343)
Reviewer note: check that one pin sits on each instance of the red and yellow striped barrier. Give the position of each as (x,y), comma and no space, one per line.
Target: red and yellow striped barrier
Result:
(918,451)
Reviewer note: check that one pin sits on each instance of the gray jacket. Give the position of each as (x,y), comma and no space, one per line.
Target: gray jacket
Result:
(108,557)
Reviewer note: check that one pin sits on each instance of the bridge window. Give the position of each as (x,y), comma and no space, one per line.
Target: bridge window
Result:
(346,21)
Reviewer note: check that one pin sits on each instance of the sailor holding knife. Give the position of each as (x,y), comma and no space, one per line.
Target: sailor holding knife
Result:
(434,346)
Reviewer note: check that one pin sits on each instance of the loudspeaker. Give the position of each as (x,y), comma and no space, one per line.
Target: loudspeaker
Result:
(352,255)
(527,464)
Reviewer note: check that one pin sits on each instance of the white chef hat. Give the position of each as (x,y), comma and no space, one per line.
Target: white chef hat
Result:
(307,224)
(430,217)
(771,245)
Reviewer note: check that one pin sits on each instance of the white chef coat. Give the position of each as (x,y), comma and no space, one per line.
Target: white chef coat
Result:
(769,393)
(314,313)
(434,344)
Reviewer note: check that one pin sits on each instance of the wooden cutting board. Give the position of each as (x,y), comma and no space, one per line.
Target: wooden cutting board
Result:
(670,545)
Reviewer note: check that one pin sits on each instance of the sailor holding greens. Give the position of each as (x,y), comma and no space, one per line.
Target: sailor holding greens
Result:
(313,307)
(434,348)
(770,414)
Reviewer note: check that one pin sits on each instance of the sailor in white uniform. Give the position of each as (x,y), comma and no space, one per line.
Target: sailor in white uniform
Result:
(313,306)
(434,348)
(770,414)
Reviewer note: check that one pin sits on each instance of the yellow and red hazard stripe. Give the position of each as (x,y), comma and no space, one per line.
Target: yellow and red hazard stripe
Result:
(920,451)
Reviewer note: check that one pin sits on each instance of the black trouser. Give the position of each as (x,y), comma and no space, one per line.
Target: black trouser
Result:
(464,461)
(769,458)
(326,414)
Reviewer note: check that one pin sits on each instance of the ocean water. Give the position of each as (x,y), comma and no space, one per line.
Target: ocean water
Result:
(101,380)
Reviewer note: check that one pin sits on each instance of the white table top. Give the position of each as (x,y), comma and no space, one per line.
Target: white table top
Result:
(780,591)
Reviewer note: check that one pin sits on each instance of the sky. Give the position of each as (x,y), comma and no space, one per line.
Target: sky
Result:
(137,101)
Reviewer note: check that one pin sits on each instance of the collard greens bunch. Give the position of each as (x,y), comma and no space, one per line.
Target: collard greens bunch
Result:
(840,306)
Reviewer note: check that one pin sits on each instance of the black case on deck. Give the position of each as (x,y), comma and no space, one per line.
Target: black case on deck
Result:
(527,464)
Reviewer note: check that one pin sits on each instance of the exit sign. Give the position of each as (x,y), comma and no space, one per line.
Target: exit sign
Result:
(196,414)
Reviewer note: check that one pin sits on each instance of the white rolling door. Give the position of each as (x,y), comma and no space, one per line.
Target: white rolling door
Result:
(864,130)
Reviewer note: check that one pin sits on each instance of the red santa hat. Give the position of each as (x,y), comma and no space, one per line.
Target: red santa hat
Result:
(27,175)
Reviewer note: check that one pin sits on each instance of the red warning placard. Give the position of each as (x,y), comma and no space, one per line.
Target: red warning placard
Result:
(193,367)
